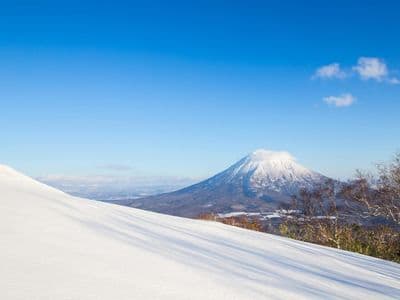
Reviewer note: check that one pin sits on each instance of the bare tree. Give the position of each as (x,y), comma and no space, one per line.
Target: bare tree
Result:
(319,219)
(317,216)
(381,195)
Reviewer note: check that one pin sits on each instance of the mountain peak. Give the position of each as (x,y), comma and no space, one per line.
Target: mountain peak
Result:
(268,164)
(261,155)
(263,171)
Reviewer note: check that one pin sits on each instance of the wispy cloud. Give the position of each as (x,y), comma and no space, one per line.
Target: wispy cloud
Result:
(330,71)
(340,101)
(116,167)
(371,68)
(394,80)
(114,180)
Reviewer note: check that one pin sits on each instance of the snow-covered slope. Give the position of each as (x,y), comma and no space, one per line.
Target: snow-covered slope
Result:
(54,246)
(262,181)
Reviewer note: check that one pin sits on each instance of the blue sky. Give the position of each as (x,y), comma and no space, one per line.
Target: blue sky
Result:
(185,89)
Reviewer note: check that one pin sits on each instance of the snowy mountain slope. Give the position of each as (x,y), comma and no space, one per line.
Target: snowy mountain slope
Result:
(263,171)
(261,181)
(55,246)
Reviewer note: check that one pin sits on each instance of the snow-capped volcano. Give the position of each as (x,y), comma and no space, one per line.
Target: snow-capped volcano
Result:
(271,164)
(262,180)
(264,170)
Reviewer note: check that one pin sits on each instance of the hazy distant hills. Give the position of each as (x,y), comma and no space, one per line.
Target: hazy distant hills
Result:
(264,180)
(116,189)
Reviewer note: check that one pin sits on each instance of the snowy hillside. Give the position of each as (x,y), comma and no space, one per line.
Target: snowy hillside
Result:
(54,246)
(261,181)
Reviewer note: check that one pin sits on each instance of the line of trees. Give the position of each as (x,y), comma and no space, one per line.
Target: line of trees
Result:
(242,221)
(362,215)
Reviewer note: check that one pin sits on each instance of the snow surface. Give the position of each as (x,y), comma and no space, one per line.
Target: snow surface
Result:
(273,163)
(55,246)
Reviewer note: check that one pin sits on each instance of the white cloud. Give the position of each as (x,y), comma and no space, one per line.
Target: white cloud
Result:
(394,80)
(371,68)
(340,101)
(367,68)
(329,71)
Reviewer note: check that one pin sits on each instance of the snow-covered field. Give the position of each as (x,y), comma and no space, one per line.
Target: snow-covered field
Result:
(54,246)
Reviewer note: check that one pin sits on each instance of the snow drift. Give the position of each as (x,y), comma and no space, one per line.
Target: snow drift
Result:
(54,246)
